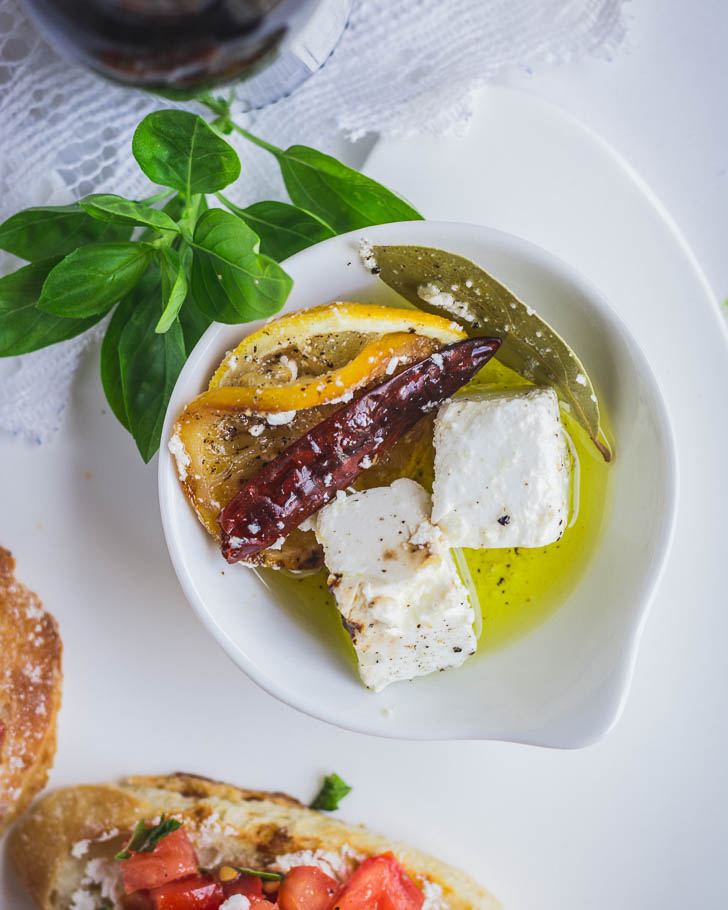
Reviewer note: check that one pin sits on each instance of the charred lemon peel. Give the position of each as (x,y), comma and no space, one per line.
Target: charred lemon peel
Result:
(332,319)
(377,359)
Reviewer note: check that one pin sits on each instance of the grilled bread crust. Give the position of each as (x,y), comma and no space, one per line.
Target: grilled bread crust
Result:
(30,693)
(52,847)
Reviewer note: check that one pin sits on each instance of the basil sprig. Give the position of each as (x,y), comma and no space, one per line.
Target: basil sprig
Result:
(145,839)
(166,267)
(332,791)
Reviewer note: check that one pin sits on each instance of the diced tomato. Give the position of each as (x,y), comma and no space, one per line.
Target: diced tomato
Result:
(307,888)
(380,883)
(249,885)
(195,893)
(174,857)
(139,900)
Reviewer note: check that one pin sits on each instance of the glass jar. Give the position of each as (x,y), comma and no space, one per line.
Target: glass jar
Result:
(178,48)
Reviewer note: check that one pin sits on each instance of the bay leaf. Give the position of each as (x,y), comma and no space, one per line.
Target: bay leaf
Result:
(450,285)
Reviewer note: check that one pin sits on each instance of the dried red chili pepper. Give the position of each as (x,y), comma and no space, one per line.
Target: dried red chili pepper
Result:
(306,475)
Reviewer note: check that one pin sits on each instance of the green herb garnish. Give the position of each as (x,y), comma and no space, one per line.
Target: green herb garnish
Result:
(332,791)
(144,839)
(166,273)
(265,876)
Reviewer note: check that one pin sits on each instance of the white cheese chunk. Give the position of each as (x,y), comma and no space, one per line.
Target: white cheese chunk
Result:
(502,470)
(236,902)
(395,583)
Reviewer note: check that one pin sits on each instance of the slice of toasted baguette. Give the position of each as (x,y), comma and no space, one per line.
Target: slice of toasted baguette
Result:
(30,693)
(63,849)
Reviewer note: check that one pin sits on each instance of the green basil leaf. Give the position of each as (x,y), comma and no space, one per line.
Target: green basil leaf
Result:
(454,287)
(179,149)
(264,876)
(174,207)
(107,207)
(144,839)
(92,278)
(341,196)
(137,834)
(110,363)
(231,281)
(283,229)
(174,267)
(332,791)
(194,323)
(149,363)
(47,231)
(25,328)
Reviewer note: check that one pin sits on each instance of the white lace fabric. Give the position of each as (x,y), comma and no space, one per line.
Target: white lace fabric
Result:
(400,68)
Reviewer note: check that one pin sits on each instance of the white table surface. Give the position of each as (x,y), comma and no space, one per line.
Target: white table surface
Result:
(636,821)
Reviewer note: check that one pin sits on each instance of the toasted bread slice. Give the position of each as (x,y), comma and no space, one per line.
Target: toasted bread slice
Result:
(30,692)
(63,849)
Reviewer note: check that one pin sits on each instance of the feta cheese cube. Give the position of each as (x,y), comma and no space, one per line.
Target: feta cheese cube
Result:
(395,583)
(502,470)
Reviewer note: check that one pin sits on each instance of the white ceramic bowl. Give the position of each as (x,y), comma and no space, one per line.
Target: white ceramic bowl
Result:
(564,683)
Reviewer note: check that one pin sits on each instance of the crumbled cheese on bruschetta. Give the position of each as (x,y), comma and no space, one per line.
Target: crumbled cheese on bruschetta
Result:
(236,902)
(339,864)
(434,898)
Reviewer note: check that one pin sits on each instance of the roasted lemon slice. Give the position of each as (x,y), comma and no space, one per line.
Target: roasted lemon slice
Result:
(315,356)
(279,383)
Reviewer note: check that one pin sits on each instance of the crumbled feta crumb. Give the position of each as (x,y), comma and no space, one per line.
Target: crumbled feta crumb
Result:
(80,849)
(392,365)
(180,454)
(254,527)
(104,875)
(434,898)
(236,902)
(434,295)
(366,254)
(256,430)
(278,418)
(291,366)
(278,544)
(581,379)
(82,900)
(339,864)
